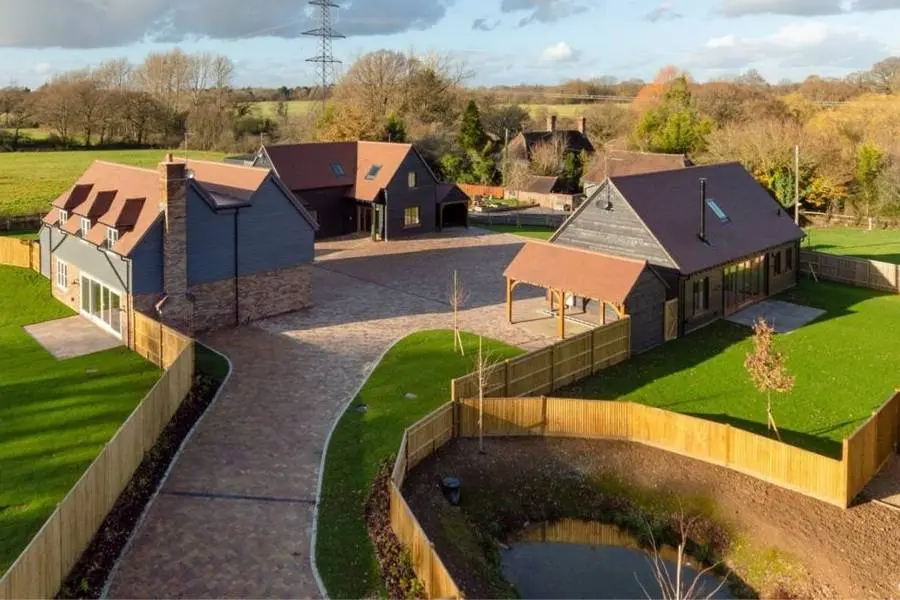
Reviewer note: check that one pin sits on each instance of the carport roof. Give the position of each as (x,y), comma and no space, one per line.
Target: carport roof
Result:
(585,273)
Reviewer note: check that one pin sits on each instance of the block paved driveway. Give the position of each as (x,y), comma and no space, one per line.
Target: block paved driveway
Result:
(234,517)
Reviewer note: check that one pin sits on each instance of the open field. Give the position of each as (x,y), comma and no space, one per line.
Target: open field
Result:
(55,416)
(30,181)
(878,244)
(569,111)
(295,107)
(37,133)
(847,363)
(422,364)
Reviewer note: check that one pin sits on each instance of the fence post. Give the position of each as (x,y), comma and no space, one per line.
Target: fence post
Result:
(845,474)
(506,378)
(543,416)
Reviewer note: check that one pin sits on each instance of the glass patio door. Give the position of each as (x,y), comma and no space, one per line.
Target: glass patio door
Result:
(101,305)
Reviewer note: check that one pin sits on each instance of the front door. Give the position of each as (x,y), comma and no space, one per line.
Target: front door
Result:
(101,305)
(745,283)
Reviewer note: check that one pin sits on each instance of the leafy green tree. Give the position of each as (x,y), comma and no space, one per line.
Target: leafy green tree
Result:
(471,133)
(453,166)
(395,129)
(870,163)
(675,126)
(482,169)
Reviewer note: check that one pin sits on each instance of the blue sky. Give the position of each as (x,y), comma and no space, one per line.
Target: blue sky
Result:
(503,41)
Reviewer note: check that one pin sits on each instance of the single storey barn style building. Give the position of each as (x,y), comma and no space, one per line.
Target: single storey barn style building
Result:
(714,235)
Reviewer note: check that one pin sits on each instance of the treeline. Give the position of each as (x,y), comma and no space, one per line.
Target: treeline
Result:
(166,99)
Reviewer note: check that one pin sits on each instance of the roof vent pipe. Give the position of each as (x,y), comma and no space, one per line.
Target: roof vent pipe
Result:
(702,233)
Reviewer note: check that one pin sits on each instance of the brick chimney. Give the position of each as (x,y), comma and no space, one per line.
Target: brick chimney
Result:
(551,122)
(173,201)
(582,124)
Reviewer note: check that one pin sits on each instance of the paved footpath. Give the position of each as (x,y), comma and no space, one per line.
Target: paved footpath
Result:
(234,517)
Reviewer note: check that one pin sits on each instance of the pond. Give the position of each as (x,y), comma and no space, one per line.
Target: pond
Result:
(576,559)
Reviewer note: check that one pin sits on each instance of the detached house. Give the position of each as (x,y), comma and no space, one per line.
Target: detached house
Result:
(573,140)
(383,189)
(200,245)
(622,162)
(715,236)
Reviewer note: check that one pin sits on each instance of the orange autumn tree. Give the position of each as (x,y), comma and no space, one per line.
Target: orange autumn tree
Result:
(767,368)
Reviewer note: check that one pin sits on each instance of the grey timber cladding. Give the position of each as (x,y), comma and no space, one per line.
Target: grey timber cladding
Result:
(103,265)
(618,231)
(645,304)
(147,262)
(44,238)
(400,196)
(210,241)
(272,233)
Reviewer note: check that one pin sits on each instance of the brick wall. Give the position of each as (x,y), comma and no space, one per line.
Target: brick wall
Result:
(275,292)
(177,311)
(213,305)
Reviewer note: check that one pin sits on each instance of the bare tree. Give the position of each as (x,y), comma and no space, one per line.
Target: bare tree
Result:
(58,107)
(458,295)
(767,368)
(675,586)
(18,107)
(549,157)
(485,365)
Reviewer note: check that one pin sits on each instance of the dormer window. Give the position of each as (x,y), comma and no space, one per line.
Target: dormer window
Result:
(63,217)
(112,236)
(85,226)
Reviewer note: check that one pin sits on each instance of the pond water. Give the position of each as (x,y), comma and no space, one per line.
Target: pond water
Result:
(540,566)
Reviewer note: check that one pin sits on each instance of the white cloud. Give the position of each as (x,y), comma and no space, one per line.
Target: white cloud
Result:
(43,68)
(802,45)
(558,53)
(110,23)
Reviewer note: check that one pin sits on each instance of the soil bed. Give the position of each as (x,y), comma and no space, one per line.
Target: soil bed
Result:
(90,573)
(779,542)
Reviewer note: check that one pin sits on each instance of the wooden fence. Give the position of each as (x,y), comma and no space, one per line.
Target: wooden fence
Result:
(860,272)
(488,191)
(871,446)
(158,344)
(20,253)
(834,481)
(518,218)
(548,369)
(418,443)
(45,563)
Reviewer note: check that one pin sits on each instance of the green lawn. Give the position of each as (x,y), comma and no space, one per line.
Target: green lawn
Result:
(55,416)
(878,244)
(847,363)
(30,181)
(535,232)
(423,364)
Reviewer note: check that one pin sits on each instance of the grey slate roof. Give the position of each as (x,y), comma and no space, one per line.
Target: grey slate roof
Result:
(668,203)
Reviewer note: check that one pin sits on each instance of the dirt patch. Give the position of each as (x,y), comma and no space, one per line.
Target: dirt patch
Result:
(397,574)
(87,578)
(783,542)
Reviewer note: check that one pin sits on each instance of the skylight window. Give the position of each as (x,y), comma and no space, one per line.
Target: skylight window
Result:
(337,169)
(373,172)
(720,214)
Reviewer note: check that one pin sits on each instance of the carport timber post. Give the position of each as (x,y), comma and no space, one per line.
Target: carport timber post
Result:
(510,286)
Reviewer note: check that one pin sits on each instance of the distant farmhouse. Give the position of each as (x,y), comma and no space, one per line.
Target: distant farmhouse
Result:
(199,245)
(382,189)
(574,140)
(622,162)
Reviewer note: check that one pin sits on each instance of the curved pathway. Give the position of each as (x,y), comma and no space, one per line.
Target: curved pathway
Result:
(234,517)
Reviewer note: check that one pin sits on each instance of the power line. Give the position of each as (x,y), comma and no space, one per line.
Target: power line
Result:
(325,32)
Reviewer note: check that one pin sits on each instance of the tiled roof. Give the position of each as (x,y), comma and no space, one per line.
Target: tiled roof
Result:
(366,167)
(622,163)
(585,273)
(668,202)
(129,198)
(539,184)
(574,140)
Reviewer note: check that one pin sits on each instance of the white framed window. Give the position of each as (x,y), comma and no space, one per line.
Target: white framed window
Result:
(63,217)
(62,275)
(85,226)
(112,236)
(411,179)
(411,216)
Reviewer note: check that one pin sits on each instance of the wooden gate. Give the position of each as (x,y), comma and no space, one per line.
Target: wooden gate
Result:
(671,319)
